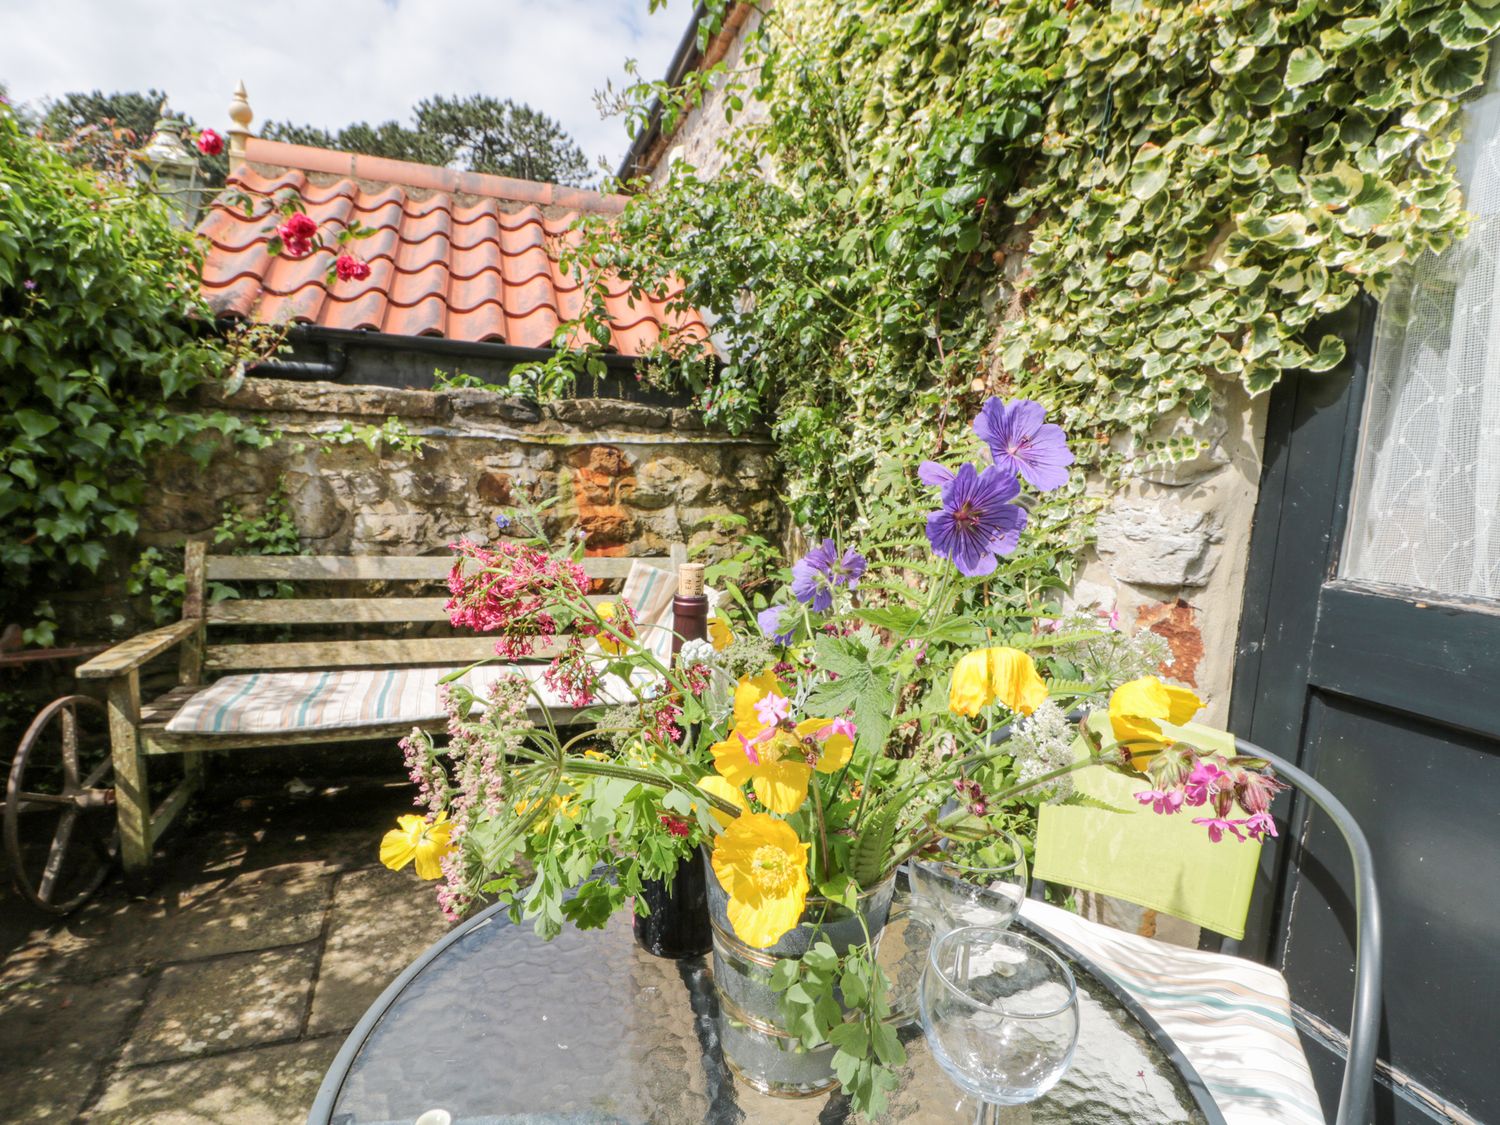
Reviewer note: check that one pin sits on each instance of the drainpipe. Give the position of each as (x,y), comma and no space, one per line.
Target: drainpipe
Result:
(330,368)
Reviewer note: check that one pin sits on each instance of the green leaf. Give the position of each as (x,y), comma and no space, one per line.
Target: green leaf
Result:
(1329,355)
(1304,65)
(35,424)
(1374,204)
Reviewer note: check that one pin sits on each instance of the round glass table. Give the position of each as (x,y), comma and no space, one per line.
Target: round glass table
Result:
(494,1025)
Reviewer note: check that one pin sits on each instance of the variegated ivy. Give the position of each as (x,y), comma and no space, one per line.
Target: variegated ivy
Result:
(1108,206)
(1212,177)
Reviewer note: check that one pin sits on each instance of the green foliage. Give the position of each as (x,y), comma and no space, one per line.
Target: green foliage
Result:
(458,381)
(102,335)
(477,133)
(157,573)
(390,434)
(96,128)
(1184,188)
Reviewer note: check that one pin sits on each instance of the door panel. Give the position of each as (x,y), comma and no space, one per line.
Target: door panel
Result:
(1411,784)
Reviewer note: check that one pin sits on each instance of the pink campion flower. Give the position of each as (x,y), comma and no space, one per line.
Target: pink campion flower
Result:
(1204,783)
(210,143)
(1255,791)
(350,268)
(772,709)
(1260,825)
(1217,826)
(841,726)
(1165,802)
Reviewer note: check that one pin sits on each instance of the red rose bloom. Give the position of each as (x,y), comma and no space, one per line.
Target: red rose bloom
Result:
(351,268)
(210,143)
(297,234)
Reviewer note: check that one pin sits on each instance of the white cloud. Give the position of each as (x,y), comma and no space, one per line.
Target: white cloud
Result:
(331,62)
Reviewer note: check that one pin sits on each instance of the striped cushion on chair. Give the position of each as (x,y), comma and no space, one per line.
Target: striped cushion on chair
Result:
(267,702)
(1230,1018)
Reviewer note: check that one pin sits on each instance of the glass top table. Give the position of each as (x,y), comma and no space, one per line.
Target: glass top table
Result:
(494,1025)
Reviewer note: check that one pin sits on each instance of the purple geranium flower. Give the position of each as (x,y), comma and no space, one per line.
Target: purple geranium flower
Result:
(777,622)
(816,574)
(977,520)
(1021,440)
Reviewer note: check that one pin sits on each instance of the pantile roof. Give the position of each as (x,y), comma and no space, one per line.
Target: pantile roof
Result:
(458,255)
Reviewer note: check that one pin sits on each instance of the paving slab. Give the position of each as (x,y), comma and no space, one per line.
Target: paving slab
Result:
(56,1038)
(258,1086)
(379,922)
(241,1000)
(248,911)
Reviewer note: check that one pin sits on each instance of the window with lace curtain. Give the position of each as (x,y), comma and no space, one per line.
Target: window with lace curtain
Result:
(1426,507)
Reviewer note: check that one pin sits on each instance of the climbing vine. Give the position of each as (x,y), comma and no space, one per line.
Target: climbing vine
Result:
(1116,208)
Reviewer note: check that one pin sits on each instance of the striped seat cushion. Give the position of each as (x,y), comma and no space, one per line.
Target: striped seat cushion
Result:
(1230,1018)
(350,698)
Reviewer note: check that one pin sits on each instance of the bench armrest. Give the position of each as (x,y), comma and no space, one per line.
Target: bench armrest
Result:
(130,655)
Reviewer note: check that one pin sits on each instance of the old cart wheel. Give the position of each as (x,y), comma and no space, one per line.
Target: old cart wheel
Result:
(60,783)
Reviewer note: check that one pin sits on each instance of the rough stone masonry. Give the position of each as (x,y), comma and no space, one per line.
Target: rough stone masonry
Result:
(634,478)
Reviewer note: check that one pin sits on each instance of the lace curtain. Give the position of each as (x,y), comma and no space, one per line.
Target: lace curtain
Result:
(1426,510)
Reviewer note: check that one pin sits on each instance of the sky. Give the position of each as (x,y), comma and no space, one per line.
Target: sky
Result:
(333,62)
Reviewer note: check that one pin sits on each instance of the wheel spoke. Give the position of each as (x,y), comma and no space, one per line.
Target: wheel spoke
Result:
(69,717)
(61,840)
(97,774)
(25,797)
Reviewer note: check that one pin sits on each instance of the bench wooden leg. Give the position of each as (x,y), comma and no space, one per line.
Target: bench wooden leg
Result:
(132,796)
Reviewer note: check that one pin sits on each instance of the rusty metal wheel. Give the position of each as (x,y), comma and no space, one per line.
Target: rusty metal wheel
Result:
(60,781)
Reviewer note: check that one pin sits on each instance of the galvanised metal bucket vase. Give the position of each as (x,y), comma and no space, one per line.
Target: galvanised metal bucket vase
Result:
(757,1046)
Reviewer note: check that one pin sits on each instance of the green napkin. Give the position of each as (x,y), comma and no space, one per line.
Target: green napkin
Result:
(1164,863)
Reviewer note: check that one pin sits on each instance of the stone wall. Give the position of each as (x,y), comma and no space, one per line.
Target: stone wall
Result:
(633,477)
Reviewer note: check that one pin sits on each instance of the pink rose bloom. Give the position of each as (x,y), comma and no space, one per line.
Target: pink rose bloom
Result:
(350,268)
(210,143)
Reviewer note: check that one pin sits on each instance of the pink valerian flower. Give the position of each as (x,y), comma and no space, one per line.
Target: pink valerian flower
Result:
(675,825)
(350,268)
(210,143)
(697,676)
(971,793)
(572,675)
(512,592)
(297,234)
(1218,825)
(1162,801)
(662,723)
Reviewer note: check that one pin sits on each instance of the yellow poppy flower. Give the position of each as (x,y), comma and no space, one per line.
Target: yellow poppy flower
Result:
(750,691)
(1000,673)
(420,840)
(1137,708)
(780,783)
(834,751)
(716,786)
(719,634)
(559,804)
(611,615)
(762,866)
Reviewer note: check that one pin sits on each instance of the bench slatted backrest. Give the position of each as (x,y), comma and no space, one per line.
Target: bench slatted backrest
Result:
(373,610)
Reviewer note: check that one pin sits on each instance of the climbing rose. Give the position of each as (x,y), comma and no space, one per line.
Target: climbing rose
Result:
(350,268)
(297,234)
(210,143)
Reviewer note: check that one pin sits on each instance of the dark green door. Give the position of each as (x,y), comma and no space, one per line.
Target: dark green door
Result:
(1370,653)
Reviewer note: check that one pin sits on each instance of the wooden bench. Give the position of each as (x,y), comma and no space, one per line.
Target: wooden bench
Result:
(139,731)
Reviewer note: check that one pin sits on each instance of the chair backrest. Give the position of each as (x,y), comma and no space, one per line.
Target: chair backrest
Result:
(1164,863)
(370,615)
(1357,1091)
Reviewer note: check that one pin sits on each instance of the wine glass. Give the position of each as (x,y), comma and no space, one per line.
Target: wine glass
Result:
(1001,1015)
(951,893)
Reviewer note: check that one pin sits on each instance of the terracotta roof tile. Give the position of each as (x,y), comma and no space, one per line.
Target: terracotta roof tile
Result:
(459,255)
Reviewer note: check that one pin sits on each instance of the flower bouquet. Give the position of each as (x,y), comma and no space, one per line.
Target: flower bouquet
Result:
(895,698)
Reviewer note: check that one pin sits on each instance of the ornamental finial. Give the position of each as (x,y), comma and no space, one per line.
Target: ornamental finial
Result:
(241,114)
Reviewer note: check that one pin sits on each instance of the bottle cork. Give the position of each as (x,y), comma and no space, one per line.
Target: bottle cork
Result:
(690,580)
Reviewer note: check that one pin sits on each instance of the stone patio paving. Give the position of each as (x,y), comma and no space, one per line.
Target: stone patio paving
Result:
(224,995)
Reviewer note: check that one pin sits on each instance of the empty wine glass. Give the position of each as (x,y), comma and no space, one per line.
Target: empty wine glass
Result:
(950,893)
(1000,1012)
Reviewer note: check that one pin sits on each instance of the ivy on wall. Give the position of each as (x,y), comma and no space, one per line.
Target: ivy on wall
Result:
(1110,207)
(102,335)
